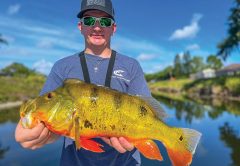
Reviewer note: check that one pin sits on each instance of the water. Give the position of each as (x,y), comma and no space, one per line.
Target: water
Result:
(219,123)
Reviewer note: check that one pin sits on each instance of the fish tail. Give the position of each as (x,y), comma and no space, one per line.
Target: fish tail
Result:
(181,150)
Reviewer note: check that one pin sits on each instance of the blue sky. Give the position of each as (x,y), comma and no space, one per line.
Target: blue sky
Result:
(152,31)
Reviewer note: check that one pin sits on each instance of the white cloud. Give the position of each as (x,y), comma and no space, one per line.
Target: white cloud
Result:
(189,31)
(43,66)
(45,43)
(125,43)
(42,30)
(145,57)
(50,42)
(13,9)
(193,47)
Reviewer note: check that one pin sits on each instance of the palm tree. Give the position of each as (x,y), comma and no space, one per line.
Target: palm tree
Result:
(232,41)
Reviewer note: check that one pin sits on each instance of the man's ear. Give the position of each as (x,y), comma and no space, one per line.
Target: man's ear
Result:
(80,26)
(114,28)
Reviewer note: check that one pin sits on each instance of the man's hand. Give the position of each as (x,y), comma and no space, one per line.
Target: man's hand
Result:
(34,138)
(120,144)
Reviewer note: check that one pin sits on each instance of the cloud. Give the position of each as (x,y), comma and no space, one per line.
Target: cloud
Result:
(189,31)
(13,9)
(145,57)
(193,47)
(124,43)
(43,35)
(43,66)
(42,30)
(39,40)
(45,44)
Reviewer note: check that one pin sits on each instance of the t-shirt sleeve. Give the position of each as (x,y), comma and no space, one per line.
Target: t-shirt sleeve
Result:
(138,84)
(54,80)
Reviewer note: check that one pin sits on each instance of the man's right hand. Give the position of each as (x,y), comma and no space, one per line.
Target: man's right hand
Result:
(34,138)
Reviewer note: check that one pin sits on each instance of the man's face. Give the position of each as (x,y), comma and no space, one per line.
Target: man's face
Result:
(96,35)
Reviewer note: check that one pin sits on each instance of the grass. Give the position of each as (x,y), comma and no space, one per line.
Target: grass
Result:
(227,85)
(20,88)
(220,84)
(173,84)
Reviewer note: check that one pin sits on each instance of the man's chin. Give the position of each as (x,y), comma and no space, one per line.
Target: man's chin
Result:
(98,44)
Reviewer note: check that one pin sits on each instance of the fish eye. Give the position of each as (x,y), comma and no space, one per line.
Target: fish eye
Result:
(50,95)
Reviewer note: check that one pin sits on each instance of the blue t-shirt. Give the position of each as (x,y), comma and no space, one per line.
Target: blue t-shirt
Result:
(127,77)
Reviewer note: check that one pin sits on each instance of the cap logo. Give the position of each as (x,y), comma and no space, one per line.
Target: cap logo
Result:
(96,2)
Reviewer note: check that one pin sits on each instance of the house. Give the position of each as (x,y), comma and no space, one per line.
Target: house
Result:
(204,74)
(230,70)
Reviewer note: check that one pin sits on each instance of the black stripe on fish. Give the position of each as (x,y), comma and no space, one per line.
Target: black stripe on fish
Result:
(117,100)
(181,138)
(88,124)
(143,110)
(113,127)
(94,95)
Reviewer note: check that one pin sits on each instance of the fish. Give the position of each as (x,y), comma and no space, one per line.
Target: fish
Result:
(82,111)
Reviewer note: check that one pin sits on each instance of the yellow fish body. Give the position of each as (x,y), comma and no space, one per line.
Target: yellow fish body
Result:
(83,111)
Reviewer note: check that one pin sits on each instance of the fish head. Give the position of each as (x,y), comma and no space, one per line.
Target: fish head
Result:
(26,110)
(51,107)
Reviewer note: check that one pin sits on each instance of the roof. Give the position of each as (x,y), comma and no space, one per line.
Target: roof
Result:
(232,67)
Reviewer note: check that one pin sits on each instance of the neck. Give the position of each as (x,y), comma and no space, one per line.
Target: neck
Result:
(104,53)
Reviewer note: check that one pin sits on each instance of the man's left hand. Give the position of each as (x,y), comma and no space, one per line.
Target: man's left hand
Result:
(120,144)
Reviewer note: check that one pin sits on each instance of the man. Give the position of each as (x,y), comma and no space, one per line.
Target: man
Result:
(97,64)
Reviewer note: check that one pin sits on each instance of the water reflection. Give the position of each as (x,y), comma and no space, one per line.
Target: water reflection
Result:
(232,140)
(219,139)
(3,150)
(190,109)
(11,115)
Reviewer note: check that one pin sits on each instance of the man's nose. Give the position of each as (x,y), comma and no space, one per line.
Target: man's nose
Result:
(97,25)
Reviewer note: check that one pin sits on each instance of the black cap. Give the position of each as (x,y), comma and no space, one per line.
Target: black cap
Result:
(102,5)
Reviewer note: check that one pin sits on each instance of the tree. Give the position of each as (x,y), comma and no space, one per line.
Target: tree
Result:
(177,71)
(232,41)
(187,63)
(161,75)
(197,64)
(214,62)
(17,69)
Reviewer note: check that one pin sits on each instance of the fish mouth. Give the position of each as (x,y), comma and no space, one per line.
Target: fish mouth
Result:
(26,111)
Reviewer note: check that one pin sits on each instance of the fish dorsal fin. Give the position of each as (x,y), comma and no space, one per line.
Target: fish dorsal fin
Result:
(73,81)
(155,107)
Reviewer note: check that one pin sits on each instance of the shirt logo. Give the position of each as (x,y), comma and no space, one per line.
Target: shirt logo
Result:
(118,73)
(96,2)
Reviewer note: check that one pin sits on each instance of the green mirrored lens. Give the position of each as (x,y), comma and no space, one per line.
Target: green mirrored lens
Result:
(89,21)
(105,22)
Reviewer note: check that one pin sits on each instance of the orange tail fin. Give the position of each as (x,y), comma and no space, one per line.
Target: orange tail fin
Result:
(149,149)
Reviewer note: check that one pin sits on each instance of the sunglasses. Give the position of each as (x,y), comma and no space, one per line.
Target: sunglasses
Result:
(90,21)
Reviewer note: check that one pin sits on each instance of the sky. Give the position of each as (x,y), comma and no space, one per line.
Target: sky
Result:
(152,31)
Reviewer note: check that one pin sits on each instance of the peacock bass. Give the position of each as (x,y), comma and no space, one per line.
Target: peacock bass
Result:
(83,111)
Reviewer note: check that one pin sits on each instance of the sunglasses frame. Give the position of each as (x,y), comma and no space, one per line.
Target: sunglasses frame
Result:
(97,19)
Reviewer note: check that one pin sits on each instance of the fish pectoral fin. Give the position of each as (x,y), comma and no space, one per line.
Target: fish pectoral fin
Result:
(77,133)
(149,149)
(91,145)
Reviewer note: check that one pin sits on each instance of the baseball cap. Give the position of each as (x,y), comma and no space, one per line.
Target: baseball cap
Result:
(102,5)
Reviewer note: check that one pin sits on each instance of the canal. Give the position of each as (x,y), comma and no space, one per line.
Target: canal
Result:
(218,121)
